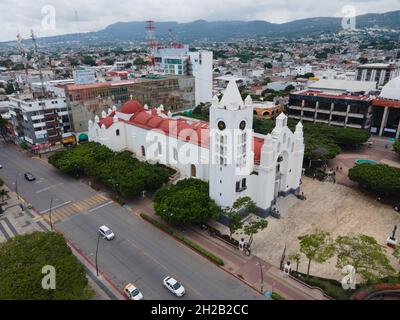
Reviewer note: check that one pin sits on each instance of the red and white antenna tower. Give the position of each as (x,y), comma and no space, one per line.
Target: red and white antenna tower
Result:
(151,38)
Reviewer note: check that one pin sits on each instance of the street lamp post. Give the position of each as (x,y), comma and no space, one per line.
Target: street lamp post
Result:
(51,206)
(97,250)
(16,185)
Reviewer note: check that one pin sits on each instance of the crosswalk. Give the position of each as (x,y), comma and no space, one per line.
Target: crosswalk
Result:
(76,207)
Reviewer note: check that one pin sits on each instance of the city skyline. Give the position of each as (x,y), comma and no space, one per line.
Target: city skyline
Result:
(76,17)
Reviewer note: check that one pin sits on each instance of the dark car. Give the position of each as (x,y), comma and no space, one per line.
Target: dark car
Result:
(29,176)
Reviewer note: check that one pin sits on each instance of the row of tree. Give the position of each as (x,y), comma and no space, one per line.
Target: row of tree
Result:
(120,171)
(322,142)
(362,252)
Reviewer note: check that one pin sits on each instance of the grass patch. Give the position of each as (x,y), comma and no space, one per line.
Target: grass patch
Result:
(180,237)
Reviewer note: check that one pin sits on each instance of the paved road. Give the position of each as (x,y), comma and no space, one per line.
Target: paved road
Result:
(140,253)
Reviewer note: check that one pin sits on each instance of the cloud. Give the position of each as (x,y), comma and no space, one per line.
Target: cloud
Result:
(22,15)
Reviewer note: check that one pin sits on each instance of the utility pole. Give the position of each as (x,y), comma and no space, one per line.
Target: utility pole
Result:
(51,206)
(97,251)
(16,185)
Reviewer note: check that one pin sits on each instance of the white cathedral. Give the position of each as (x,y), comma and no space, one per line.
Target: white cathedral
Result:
(225,152)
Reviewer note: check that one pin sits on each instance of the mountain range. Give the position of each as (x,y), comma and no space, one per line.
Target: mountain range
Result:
(225,30)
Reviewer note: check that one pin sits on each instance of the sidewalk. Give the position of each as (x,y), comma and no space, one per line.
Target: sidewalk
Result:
(239,265)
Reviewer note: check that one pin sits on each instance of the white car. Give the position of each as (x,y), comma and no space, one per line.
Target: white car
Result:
(106,233)
(1,167)
(132,292)
(174,286)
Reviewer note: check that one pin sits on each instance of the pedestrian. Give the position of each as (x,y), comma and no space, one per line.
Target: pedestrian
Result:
(241,244)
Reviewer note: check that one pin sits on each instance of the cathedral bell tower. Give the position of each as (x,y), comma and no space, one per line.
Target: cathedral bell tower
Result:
(231,146)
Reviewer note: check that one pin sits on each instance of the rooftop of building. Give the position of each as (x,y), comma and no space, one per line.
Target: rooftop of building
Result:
(377,66)
(73,87)
(192,131)
(330,95)
(343,85)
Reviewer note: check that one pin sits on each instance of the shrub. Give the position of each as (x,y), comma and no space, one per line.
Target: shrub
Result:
(331,287)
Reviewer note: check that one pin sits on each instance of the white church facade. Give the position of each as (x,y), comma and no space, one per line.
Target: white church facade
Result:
(224,152)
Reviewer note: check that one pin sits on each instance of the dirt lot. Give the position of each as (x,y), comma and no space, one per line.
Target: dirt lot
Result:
(335,208)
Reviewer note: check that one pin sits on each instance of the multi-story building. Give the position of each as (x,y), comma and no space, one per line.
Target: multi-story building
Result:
(382,73)
(84,101)
(345,110)
(179,61)
(40,123)
(380,115)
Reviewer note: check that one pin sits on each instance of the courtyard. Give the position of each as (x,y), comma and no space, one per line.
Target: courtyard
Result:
(335,208)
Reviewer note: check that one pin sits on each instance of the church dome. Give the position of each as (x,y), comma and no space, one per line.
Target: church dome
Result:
(391,90)
(131,107)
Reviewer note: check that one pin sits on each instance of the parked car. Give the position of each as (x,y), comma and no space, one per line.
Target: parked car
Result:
(106,233)
(174,286)
(132,292)
(1,167)
(29,176)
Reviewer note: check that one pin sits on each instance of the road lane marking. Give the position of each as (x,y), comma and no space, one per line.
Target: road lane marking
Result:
(48,188)
(102,206)
(56,207)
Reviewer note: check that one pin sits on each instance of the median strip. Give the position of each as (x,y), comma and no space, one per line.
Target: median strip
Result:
(183,239)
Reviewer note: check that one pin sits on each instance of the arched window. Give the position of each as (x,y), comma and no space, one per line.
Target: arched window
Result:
(117,132)
(193,171)
(175,154)
(159,148)
(143,152)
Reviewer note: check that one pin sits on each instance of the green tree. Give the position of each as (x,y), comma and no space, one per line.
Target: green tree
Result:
(317,247)
(253,227)
(379,178)
(139,62)
(350,137)
(396,146)
(10,89)
(233,214)
(295,257)
(186,202)
(89,60)
(120,171)
(366,255)
(109,61)
(3,194)
(22,259)
(3,127)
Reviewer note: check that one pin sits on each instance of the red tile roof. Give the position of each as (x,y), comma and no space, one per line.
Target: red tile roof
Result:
(196,132)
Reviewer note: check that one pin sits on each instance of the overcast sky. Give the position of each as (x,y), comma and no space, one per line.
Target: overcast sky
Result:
(19,16)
